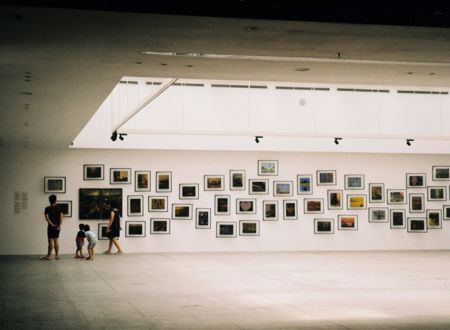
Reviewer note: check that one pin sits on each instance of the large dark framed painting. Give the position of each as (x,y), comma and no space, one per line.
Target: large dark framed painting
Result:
(95,203)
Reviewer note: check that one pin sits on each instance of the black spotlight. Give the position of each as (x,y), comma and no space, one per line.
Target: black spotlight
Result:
(337,139)
(257,138)
(408,142)
(121,135)
(114,136)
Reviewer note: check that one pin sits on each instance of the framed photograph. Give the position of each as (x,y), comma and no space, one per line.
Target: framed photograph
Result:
(417,225)
(270,210)
(163,182)
(347,222)
(214,182)
(416,180)
(66,207)
(158,203)
(95,203)
(282,188)
(378,214)
(135,206)
(396,196)
(398,218)
(313,205)
(159,226)
(237,179)
(93,172)
(354,181)
(335,199)
(226,229)
(416,203)
(304,184)
(188,191)
(222,205)
(290,209)
(323,226)
(245,205)
(267,167)
(376,193)
(446,215)
(135,229)
(120,176)
(434,219)
(55,184)
(356,202)
(202,218)
(441,173)
(437,193)
(102,231)
(142,180)
(258,186)
(182,211)
(326,177)
(249,228)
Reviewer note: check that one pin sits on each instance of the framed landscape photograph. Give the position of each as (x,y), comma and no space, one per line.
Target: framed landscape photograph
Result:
(416,180)
(135,206)
(222,205)
(398,218)
(437,193)
(182,211)
(245,205)
(347,222)
(93,172)
(446,212)
(417,225)
(270,210)
(226,229)
(163,182)
(416,203)
(159,226)
(356,202)
(354,181)
(214,182)
(323,226)
(434,219)
(188,191)
(267,167)
(335,199)
(282,188)
(326,177)
(66,207)
(237,179)
(249,228)
(142,180)
(135,229)
(378,214)
(304,184)
(441,173)
(290,209)
(313,205)
(376,193)
(258,186)
(396,196)
(95,203)
(102,231)
(158,203)
(55,184)
(120,176)
(203,218)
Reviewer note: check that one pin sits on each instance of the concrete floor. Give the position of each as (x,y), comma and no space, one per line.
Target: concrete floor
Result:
(274,290)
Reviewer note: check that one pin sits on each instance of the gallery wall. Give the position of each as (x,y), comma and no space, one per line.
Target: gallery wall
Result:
(23,199)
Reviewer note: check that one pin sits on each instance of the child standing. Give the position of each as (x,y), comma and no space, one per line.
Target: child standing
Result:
(92,241)
(79,240)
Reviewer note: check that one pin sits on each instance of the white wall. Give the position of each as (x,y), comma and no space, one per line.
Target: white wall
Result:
(24,171)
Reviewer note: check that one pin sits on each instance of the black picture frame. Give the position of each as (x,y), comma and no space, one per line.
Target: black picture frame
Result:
(313,205)
(249,228)
(188,191)
(163,182)
(290,209)
(226,229)
(94,203)
(214,182)
(245,205)
(417,225)
(135,205)
(335,199)
(326,177)
(378,214)
(267,167)
(158,203)
(441,173)
(304,184)
(258,186)
(93,172)
(181,211)
(237,179)
(270,210)
(283,188)
(102,234)
(356,202)
(66,207)
(142,181)
(396,196)
(120,175)
(377,193)
(416,202)
(54,184)
(436,193)
(222,204)
(354,182)
(159,226)
(416,180)
(323,226)
(397,218)
(347,222)
(135,229)
(434,218)
(203,218)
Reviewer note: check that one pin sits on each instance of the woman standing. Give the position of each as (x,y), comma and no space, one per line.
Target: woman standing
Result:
(113,230)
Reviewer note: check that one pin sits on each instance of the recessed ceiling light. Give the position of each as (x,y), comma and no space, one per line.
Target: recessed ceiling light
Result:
(409,72)
(302,69)
(138,62)
(251,28)
(26,93)
(189,66)
(163,64)
(431,73)
(339,54)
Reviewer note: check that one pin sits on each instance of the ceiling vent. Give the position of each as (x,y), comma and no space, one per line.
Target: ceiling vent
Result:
(421,92)
(363,90)
(303,88)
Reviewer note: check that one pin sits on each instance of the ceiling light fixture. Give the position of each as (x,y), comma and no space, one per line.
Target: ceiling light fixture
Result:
(114,136)
(121,135)
(257,138)
(337,139)
(302,69)
(408,142)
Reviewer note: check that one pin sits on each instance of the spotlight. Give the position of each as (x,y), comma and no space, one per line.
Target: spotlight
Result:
(408,142)
(114,136)
(121,135)
(257,138)
(337,139)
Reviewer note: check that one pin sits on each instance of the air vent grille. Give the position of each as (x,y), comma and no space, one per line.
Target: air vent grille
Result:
(421,92)
(303,88)
(153,83)
(363,90)
(131,82)
(237,86)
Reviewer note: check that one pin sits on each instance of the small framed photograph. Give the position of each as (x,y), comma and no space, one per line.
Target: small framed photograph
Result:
(434,219)
(437,193)
(347,222)
(416,180)
(142,180)
(417,225)
(446,211)
(249,228)
(398,218)
(378,214)
(270,210)
(222,205)
(376,193)
(441,173)
(182,211)
(313,205)
(282,188)
(158,203)
(102,233)
(55,184)
(396,196)
(214,182)
(290,209)
(135,206)
(135,229)
(323,226)
(326,177)
(335,199)
(416,203)
(304,184)
(354,181)
(188,191)
(237,179)
(245,205)
(120,176)
(356,202)
(93,172)
(66,207)
(163,182)
(226,229)
(159,226)
(267,167)
(258,186)
(202,218)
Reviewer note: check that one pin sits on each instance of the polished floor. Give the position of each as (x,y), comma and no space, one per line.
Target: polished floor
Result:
(274,290)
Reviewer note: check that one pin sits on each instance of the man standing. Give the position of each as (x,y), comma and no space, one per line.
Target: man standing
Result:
(54,217)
